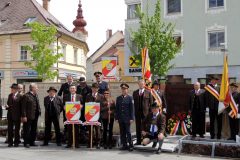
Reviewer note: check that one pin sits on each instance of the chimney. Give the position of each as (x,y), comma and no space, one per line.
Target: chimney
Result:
(46,4)
(108,34)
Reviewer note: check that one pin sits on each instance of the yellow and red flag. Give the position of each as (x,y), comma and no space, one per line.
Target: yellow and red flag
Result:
(92,112)
(225,97)
(146,70)
(73,111)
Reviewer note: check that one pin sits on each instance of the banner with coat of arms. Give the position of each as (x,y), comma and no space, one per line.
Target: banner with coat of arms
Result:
(92,111)
(73,111)
(109,67)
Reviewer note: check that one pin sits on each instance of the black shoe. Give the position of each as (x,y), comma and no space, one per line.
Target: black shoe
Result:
(26,146)
(77,146)
(130,149)
(10,145)
(123,148)
(33,145)
(202,136)
(154,144)
(98,146)
(212,137)
(137,143)
(59,144)
(218,137)
(105,147)
(194,136)
(16,145)
(6,141)
(68,146)
(158,151)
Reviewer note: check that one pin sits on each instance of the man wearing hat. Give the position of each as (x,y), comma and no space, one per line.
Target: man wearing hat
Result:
(155,86)
(234,122)
(53,107)
(142,102)
(14,115)
(125,115)
(212,103)
(102,84)
(95,96)
(154,128)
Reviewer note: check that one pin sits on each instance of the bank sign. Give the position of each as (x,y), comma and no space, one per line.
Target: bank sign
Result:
(25,73)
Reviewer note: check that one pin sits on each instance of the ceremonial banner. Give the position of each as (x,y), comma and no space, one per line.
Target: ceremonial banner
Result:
(146,71)
(92,112)
(73,111)
(109,67)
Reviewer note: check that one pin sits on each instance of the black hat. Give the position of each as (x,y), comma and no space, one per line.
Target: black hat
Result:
(82,79)
(95,85)
(14,86)
(214,77)
(124,85)
(97,73)
(154,105)
(155,83)
(234,85)
(52,89)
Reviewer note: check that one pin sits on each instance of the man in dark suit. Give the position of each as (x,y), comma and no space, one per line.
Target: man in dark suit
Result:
(154,128)
(30,112)
(125,115)
(14,115)
(142,102)
(53,107)
(64,90)
(212,103)
(234,122)
(198,109)
(95,96)
(103,86)
(72,97)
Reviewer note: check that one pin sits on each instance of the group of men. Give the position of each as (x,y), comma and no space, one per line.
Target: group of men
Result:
(201,99)
(141,107)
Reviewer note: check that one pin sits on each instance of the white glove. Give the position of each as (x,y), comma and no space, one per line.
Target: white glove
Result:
(238,116)
(164,110)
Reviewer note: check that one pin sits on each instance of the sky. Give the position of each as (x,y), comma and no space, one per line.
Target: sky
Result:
(99,14)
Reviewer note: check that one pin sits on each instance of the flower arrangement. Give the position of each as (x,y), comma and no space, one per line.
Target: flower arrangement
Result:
(180,124)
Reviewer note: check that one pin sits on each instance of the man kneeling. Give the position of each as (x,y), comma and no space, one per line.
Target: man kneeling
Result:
(154,128)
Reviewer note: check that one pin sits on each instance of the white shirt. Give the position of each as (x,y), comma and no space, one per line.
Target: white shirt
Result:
(141,91)
(73,97)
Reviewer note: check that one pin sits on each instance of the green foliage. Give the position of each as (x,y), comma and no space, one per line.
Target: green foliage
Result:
(42,53)
(157,36)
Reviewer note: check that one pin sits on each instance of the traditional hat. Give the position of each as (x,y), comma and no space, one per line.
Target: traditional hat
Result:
(214,77)
(82,79)
(52,89)
(234,85)
(154,105)
(124,85)
(97,73)
(95,85)
(14,86)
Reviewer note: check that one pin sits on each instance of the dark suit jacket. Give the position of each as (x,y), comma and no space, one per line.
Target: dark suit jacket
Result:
(210,101)
(58,105)
(68,98)
(103,86)
(64,89)
(14,110)
(105,108)
(202,106)
(124,109)
(146,102)
(84,92)
(30,107)
(160,122)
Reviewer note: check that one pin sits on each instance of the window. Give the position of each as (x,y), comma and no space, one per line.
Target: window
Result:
(132,11)
(173,6)
(215,38)
(215,3)
(75,56)
(178,40)
(30,20)
(64,47)
(23,53)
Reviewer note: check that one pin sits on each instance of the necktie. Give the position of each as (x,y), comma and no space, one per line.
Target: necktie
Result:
(73,98)
(153,126)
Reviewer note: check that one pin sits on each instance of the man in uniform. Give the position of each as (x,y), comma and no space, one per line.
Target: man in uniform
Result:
(212,103)
(142,102)
(154,128)
(198,109)
(125,115)
(103,86)
(234,122)
(14,115)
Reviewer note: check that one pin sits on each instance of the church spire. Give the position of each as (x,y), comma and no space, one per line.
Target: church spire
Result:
(79,22)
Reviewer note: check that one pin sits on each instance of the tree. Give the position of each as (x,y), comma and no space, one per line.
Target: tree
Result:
(157,36)
(42,54)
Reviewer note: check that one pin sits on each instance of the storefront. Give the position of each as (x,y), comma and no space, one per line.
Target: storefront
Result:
(22,76)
